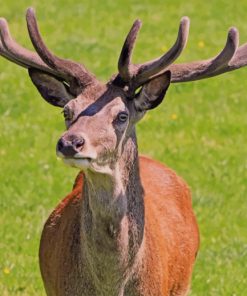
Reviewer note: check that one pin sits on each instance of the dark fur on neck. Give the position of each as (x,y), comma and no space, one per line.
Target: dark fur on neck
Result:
(113,220)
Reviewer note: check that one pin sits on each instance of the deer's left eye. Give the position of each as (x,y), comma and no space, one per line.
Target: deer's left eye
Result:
(122,117)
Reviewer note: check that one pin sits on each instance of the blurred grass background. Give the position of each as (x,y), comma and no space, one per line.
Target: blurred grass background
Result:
(199,131)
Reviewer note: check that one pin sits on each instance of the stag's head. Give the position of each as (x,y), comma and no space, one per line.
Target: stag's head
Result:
(100,118)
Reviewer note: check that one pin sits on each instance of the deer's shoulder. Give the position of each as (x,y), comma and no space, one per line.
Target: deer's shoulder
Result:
(165,192)
(157,178)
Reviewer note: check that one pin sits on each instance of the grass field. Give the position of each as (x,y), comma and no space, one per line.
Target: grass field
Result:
(199,131)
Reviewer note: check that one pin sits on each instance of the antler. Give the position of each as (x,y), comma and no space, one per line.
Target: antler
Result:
(69,68)
(230,58)
(73,73)
(18,54)
(139,74)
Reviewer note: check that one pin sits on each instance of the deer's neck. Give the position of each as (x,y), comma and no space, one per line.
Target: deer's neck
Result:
(113,217)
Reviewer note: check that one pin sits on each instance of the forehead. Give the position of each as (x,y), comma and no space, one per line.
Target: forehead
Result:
(89,105)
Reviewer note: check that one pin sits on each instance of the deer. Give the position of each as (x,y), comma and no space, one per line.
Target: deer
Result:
(127,227)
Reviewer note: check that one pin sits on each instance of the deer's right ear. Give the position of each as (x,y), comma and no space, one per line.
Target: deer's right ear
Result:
(53,90)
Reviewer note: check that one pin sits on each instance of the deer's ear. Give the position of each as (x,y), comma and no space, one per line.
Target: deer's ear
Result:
(153,92)
(53,90)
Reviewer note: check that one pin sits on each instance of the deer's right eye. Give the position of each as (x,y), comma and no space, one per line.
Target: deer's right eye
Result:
(68,114)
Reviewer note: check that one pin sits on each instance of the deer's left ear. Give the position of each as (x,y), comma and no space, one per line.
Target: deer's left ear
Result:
(53,90)
(153,92)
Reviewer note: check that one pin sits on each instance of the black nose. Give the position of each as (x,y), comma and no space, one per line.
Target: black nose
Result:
(70,146)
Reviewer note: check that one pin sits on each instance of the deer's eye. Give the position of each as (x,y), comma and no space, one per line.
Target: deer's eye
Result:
(122,117)
(68,114)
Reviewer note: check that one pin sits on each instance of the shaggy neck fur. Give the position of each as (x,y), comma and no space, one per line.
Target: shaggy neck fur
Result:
(113,222)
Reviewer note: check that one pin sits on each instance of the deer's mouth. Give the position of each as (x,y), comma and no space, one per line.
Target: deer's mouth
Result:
(78,162)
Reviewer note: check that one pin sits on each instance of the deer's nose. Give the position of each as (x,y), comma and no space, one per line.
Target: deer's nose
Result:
(69,147)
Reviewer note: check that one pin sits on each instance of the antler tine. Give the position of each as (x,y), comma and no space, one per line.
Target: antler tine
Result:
(75,72)
(7,56)
(154,67)
(228,51)
(125,67)
(230,58)
(240,58)
(18,54)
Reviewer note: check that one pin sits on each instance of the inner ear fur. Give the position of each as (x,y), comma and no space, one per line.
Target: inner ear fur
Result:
(153,92)
(51,88)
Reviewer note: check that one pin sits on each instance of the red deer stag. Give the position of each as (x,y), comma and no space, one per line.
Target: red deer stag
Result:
(127,227)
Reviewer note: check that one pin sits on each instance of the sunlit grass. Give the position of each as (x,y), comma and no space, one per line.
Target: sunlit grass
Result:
(199,131)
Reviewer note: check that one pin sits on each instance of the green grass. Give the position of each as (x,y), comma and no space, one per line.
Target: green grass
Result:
(200,131)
